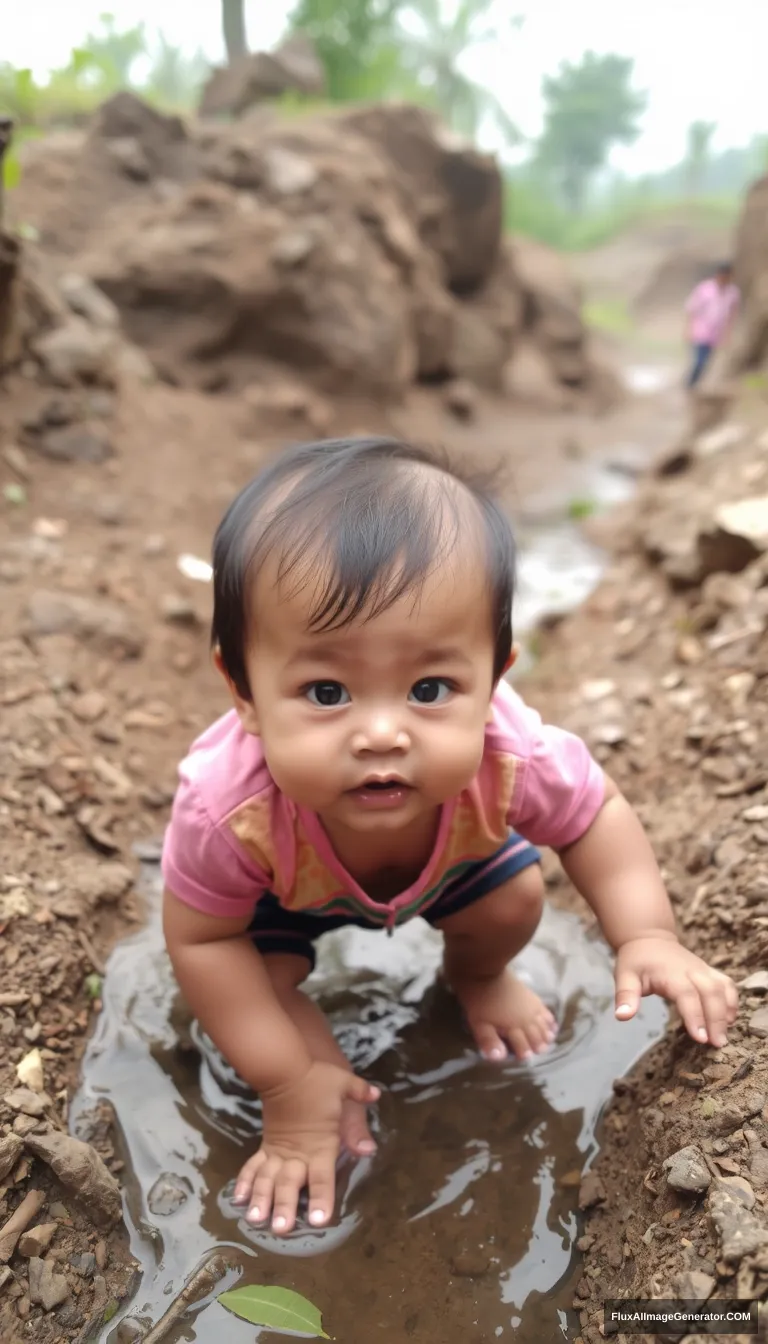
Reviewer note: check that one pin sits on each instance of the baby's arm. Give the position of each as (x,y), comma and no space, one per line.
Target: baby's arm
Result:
(225,982)
(614,868)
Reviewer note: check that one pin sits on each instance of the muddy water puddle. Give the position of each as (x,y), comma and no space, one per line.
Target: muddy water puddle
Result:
(462,1228)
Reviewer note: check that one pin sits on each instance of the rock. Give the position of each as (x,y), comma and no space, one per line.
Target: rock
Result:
(758,1023)
(130,157)
(11,1148)
(179,610)
(85,1264)
(343,313)
(736,535)
(551,294)
(46,1289)
(168,1194)
(77,352)
(758,1166)
(687,1171)
(293,66)
(29,1071)
(592,1191)
(92,620)
(37,1240)
(87,300)
(529,378)
(738,1230)
(81,1170)
(77,445)
(477,351)
(693,1285)
(89,707)
(738,1188)
(29,1102)
(110,510)
(460,399)
(288,174)
(452,193)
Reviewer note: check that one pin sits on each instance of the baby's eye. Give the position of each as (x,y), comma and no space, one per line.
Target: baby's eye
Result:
(431,690)
(327,694)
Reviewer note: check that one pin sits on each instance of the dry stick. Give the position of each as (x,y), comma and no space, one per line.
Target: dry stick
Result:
(18,1222)
(202,1282)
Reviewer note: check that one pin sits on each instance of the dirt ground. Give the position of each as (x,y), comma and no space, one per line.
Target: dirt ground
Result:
(105,678)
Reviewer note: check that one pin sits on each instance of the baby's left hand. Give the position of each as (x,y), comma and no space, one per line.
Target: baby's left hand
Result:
(706,1000)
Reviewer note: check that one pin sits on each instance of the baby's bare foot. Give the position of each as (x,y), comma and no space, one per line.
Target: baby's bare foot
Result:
(502,1012)
(354,1131)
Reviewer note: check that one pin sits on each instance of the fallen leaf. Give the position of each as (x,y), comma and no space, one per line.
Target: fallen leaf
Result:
(276,1309)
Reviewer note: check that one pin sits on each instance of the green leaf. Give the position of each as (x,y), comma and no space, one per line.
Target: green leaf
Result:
(93,985)
(275,1308)
(14,494)
(11,170)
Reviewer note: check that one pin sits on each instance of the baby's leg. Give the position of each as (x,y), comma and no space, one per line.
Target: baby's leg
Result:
(287,971)
(480,941)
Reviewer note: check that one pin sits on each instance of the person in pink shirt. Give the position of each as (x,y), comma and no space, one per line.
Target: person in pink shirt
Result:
(376,766)
(710,312)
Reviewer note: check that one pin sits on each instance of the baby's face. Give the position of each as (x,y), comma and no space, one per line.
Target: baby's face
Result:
(376,724)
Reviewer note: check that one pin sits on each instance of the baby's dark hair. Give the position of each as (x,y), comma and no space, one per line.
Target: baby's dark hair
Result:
(364,521)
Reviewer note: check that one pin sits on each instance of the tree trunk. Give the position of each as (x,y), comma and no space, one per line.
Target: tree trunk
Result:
(235,40)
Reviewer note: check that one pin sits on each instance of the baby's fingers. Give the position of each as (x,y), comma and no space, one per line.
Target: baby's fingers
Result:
(322,1189)
(688,1002)
(719,1011)
(289,1183)
(263,1189)
(246,1177)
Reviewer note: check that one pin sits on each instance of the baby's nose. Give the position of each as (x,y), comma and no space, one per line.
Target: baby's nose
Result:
(381,731)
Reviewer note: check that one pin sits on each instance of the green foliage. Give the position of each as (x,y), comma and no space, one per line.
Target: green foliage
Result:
(610,316)
(276,1309)
(589,107)
(11,170)
(433,43)
(355,40)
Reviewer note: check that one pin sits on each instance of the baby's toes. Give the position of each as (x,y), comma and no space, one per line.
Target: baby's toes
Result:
(519,1042)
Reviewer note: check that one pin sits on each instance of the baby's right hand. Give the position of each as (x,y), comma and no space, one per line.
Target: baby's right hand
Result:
(300,1147)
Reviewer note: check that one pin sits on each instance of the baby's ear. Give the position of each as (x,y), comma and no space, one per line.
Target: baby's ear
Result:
(245,707)
(512,659)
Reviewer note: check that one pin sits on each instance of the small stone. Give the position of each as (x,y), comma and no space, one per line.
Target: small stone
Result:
(693,1285)
(178,610)
(739,1188)
(46,1289)
(77,445)
(17,460)
(610,734)
(758,1023)
(592,1191)
(11,1148)
(85,1265)
(100,1252)
(460,398)
(37,1240)
(110,510)
(593,691)
(687,1171)
(29,1071)
(585,1243)
(92,620)
(80,1169)
(471,1264)
(739,1231)
(59,1211)
(88,301)
(89,707)
(24,1099)
(75,352)
(130,157)
(168,1194)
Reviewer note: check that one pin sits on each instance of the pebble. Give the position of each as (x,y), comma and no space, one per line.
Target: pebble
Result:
(167,1195)
(11,1149)
(687,1171)
(460,399)
(29,1071)
(739,1231)
(756,983)
(77,445)
(178,610)
(85,1264)
(80,1169)
(37,1240)
(758,1023)
(46,1289)
(24,1099)
(592,1191)
(739,1188)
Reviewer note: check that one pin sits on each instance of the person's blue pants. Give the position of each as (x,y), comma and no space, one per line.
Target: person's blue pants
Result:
(701,358)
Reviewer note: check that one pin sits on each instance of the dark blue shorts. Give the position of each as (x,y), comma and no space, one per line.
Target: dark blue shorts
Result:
(275,929)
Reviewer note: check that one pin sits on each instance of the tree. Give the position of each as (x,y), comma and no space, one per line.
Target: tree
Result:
(589,107)
(115,50)
(355,40)
(434,42)
(697,155)
(174,78)
(233,22)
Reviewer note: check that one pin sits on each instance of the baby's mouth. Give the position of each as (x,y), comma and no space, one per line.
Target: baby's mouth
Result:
(382,792)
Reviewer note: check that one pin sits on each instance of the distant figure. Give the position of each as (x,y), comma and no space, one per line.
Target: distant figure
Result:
(710,310)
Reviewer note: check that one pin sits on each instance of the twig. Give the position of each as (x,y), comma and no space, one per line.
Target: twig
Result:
(18,1222)
(202,1282)
(90,952)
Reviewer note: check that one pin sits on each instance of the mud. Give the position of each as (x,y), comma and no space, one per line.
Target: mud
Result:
(478,1169)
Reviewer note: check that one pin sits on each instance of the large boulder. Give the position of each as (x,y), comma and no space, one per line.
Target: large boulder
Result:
(453,193)
(212,279)
(294,66)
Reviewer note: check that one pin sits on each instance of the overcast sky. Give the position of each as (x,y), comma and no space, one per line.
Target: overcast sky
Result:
(697,58)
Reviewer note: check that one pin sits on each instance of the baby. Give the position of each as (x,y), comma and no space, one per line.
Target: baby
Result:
(376,766)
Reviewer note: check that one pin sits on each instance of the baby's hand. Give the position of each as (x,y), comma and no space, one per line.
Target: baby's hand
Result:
(706,1000)
(300,1147)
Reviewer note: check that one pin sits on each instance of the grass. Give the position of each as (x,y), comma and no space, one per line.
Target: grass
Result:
(610,316)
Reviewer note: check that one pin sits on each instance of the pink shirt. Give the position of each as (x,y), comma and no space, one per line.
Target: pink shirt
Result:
(234,836)
(710,309)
